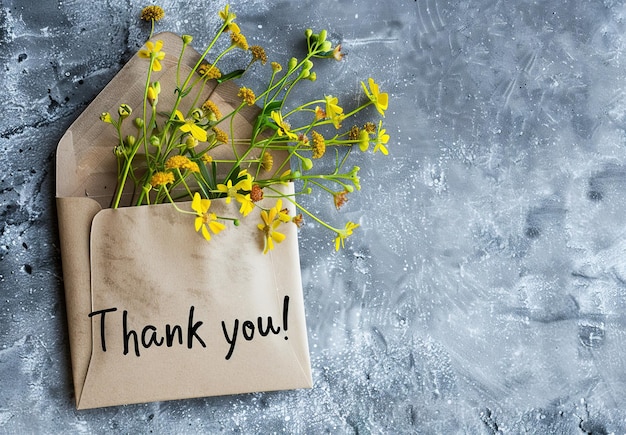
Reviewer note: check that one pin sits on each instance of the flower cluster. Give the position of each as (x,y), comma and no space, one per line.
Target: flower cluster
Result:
(171,154)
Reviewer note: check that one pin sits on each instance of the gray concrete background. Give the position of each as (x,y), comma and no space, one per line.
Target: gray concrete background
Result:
(485,289)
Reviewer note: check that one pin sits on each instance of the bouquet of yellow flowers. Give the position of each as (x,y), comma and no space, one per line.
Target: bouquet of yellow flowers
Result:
(154,312)
(170,154)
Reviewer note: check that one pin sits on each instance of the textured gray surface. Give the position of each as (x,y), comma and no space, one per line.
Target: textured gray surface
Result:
(485,289)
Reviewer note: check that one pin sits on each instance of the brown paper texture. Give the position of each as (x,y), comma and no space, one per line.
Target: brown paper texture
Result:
(155,287)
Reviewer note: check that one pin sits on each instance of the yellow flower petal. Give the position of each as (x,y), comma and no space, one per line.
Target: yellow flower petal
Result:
(197,132)
(205,204)
(216,227)
(205,233)
(196,203)
(246,207)
(380,101)
(278,237)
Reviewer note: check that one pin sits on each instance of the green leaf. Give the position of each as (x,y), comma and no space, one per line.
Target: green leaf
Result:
(232,75)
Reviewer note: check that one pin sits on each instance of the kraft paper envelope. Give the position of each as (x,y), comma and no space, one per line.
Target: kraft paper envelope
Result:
(154,311)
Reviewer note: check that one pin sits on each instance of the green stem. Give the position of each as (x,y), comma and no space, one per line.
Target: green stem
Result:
(305,211)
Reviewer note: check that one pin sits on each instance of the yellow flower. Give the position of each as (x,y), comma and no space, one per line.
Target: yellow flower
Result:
(191,127)
(258,53)
(319,145)
(283,127)
(233,191)
(207,158)
(152,12)
(227,16)
(161,179)
(276,67)
(247,205)
(381,139)
(370,127)
(333,111)
(209,71)
(181,162)
(272,218)
(205,220)
(177,162)
(246,182)
(239,40)
(354,132)
(211,110)
(220,135)
(267,161)
(342,235)
(247,95)
(230,190)
(153,51)
(380,100)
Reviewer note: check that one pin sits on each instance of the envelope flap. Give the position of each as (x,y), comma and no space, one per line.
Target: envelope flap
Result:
(86,166)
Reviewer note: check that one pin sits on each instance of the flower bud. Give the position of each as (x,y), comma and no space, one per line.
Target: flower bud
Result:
(153,98)
(106,117)
(312,76)
(155,141)
(130,140)
(308,33)
(322,36)
(197,114)
(187,39)
(307,164)
(118,151)
(236,222)
(124,111)
(292,63)
(326,46)
(138,122)
(191,142)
